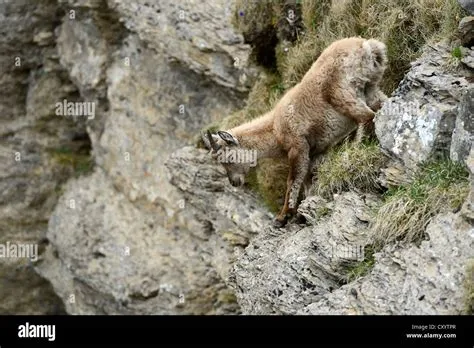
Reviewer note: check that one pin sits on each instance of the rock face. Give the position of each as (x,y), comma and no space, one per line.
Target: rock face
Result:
(136,246)
(152,90)
(118,257)
(303,269)
(425,280)
(198,35)
(306,269)
(33,144)
(466,31)
(110,255)
(467,5)
(468,208)
(417,122)
(463,134)
(282,271)
(231,217)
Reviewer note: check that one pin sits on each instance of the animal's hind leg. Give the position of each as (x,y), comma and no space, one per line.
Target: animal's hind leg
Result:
(314,162)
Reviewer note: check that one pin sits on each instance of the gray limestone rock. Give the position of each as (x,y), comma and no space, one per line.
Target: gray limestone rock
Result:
(425,280)
(283,271)
(417,121)
(468,5)
(463,134)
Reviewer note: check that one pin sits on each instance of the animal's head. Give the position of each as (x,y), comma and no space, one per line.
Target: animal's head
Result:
(226,150)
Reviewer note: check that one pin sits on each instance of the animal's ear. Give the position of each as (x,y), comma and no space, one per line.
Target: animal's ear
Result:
(205,140)
(228,138)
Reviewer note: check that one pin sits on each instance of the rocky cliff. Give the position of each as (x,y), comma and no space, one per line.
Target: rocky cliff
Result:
(156,75)
(133,218)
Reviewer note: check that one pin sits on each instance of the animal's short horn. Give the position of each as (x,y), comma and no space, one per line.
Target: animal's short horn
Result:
(213,144)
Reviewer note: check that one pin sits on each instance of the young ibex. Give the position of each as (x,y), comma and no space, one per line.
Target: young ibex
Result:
(339,93)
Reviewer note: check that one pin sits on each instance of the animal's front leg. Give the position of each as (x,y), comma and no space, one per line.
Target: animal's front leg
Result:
(344,99)
(298,159)
(281,218)
(374,97)
(302,167)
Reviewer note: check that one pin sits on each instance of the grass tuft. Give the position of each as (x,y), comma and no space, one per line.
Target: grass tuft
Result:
(456,52)
(269,181)
(439,186)
(350,166)
(362,268)
(79,163)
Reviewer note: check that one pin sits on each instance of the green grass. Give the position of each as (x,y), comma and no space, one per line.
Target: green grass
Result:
(362,268)
(80,163)
(440,185)
(453,63)
(322,211)
(456,52)
(350,166)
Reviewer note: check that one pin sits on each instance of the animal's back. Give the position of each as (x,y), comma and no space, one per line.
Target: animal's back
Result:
(332,57)
(304,110)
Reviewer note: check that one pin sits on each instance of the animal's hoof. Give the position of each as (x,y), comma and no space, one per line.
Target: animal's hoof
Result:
(279,223)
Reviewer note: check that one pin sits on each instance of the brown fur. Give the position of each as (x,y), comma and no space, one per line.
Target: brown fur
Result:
(337,95)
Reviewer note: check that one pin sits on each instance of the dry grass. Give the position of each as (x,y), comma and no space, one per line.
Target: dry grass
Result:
(313,12)
(439,186)
(350,166)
